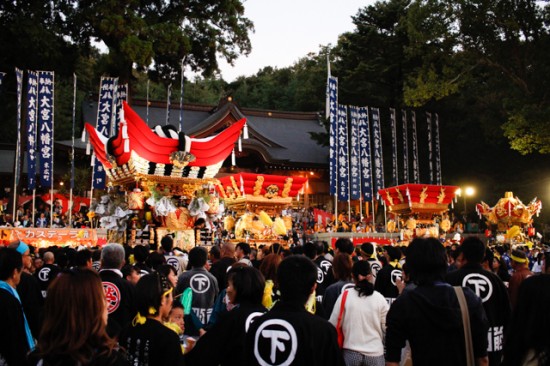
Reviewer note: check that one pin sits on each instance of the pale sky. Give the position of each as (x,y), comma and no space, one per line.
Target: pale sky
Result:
(286,30)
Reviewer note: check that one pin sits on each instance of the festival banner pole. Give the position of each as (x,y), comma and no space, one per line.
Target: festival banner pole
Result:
(437,151)
(430,151)
(72,155)
(52,144)
(405,147)
(32,128)
(416,168)
(19,76)
(168,96)
(181,97)
(342,156)
(332,103)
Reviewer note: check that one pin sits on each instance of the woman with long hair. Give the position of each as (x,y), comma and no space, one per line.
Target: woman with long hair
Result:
(269,269)
(75,317)
(364,319)
(341,269)
(147,341)
(528,341)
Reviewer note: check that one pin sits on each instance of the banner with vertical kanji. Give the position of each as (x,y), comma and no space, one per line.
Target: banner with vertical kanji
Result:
(32,114)
(395,172)
(364,153)
(105,113)
(378,155)
(332,107)
(46,126)
(355,159)
(19,78)
(437,151)
(430,150)
(416,170)
(343,162)
(405,147)
(121,95)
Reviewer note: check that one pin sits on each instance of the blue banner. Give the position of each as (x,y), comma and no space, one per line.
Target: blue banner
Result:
(364,153)
(32,114)
(416,170)
(405,147)
(377,152)
(355,159)
(333,145)
(437,151)
(343,163)
(46,126)
(394,171)
(105,113)
(430,151)
(19,78)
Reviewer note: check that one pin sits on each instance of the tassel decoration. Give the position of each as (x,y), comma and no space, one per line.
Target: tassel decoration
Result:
(124,131)
(233,158)
(126,145)
(88,149)
(245,131)
(240,144)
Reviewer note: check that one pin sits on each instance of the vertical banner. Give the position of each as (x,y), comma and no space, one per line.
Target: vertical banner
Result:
(437,151)
(405,147)
(332,106)
(430,150)
(72,137)
(17,170)
(393,122)
(32,114)
(2,74)
(365,154)
(343,163)
(121,95)
(377,151)
(105,109)
(168,97)
(46,126)
(181,97)
(355,159)
(416,171)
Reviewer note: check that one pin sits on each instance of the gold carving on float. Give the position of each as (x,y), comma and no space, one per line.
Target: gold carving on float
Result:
(401,199)
(271,191)
(258,185)
(441,196)
(286,187)
(181,159)
(423,195)
(389,198)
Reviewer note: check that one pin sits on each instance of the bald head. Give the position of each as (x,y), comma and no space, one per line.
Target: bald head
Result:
(228,250)
(49,258)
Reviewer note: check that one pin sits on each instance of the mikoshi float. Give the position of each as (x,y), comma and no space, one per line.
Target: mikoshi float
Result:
(259,202)
(421,209)
(511,217)
(162,172)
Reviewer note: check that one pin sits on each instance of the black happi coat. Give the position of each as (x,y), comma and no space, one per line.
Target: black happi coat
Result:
(289,334)
(223,344)
(496,302)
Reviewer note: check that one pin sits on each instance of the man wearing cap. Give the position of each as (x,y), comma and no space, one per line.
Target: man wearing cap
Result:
(29,289)
(520,265)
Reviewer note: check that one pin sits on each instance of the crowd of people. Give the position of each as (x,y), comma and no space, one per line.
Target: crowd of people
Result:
(311,304)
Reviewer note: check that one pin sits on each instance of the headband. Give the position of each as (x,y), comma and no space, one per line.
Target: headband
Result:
(518,259)
(22,248)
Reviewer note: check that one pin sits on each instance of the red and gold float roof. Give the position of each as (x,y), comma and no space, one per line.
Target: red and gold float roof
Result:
(137,151)
(418,198)
(259,191)
(509,211)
